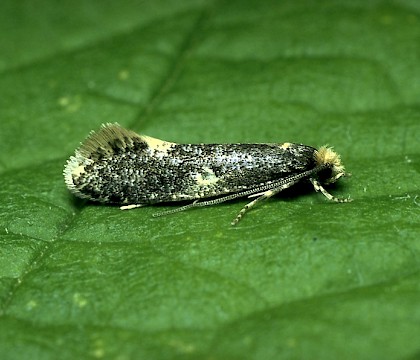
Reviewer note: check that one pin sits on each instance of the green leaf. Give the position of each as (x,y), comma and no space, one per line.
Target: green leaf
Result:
(299,277)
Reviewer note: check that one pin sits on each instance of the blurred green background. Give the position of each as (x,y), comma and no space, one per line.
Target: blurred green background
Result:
(299,277)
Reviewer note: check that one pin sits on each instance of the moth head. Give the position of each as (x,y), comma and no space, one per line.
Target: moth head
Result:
(326,156)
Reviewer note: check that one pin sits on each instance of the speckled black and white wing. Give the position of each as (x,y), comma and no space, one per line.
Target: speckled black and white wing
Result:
(115,165)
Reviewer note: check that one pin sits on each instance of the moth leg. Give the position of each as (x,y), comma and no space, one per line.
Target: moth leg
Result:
(256,194)
(263,196)
(286,183)
(319,187)
(132,206)
(336,177)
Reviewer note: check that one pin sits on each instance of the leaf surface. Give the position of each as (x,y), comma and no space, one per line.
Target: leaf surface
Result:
(299,277)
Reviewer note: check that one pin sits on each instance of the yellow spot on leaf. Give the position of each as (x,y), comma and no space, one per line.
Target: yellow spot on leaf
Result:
(70,103)
(31,304)
(123,75)
(79,300)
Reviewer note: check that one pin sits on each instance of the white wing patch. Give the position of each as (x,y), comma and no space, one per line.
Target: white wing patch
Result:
(157,144)
(206,177)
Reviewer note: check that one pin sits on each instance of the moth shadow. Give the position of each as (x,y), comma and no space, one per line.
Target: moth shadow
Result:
(79,203)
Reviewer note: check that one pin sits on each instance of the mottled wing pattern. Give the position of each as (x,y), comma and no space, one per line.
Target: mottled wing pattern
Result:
(115,165)
(207,170)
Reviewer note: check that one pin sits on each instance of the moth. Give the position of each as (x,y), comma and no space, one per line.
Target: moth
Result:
(118,166)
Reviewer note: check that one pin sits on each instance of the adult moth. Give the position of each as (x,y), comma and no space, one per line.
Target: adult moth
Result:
(118,166)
